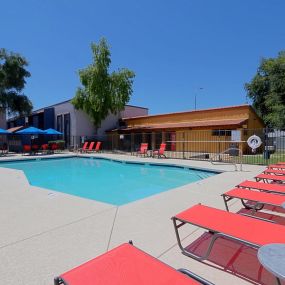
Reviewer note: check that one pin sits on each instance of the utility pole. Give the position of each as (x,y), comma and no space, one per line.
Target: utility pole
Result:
(195,103)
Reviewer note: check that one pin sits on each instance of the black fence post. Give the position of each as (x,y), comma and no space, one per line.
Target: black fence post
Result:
(266,153)
(183,144)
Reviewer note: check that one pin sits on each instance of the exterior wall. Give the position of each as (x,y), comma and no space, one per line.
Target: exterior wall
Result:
(81,124)
(84,126)
(133,111)
(109,123)
(3,123)
(254,121)
(202,138)
(66,108)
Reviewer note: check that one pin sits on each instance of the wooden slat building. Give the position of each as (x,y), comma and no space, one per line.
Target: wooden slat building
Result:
(196,130)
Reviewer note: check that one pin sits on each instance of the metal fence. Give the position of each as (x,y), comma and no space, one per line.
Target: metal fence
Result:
(228,146)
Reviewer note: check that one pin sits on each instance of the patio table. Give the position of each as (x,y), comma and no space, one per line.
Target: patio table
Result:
(272,257)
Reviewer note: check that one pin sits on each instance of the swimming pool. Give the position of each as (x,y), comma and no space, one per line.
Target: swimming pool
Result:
(113,182)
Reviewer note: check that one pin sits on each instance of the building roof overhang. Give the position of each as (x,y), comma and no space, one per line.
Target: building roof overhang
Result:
(186,125)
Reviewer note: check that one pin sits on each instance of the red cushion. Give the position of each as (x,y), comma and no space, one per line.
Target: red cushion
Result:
(256,196)
(125,265)
(271,177)
(245,228)
(262,186)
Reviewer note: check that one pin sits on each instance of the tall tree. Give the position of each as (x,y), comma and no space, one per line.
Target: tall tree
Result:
(267,91)
(102,92)
(13,76)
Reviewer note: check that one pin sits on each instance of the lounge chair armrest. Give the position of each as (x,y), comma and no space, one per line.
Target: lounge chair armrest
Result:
(258,218)
(195,276)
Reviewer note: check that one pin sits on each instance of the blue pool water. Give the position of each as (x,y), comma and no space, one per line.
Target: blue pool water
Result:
(104,180)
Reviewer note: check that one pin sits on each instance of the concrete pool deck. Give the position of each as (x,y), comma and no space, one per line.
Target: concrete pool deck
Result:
(44,233)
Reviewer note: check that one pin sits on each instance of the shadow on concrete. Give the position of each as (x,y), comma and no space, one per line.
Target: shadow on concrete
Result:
(268,216)
(234,258)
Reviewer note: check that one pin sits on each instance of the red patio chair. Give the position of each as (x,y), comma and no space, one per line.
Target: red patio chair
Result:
(4,149)
(127,265)
(90,148)
(45,148)
(26,149)
(98,145)
(35,148)
(84,148)
(53,148)
(143,149)
(160,152)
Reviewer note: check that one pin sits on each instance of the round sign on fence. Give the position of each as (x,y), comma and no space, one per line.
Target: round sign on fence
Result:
(254,142)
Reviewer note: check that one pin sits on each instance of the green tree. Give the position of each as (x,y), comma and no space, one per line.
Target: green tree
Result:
(267,91)
(13,76)
(102,92)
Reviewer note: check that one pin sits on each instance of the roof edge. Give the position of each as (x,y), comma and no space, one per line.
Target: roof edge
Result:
(193,111)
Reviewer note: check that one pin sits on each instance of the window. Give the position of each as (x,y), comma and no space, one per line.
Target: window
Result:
(59,123)
(221,133)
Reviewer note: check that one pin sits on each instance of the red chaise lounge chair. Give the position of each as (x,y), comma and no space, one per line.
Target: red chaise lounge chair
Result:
(276,166)
(90,148)
(26,149)
(160,152)
(268,178)
(258,199)
(274,171)
(143,149)
(84,147)
(127,265)
(267,187)
(250,231)
(97,147)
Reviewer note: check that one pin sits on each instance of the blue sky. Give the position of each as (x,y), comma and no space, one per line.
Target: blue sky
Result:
(174,47)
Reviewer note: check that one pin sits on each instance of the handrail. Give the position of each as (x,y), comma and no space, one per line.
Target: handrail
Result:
(227,150)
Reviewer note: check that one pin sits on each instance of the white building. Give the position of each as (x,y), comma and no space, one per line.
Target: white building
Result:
(73,123)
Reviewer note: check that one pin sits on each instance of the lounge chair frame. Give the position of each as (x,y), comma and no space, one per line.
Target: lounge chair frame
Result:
(178,222)
(195,276)
(59,280)
(259,188)
(215,235)
(257,207)
(275,178)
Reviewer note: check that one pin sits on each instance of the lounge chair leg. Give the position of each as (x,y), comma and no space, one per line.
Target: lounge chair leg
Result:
(226,202)
(189,254)
(256,207)
(58,281)
(215,236)
(195,276)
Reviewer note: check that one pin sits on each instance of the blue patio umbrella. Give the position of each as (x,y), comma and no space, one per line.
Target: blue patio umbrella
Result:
(52,132)
(31,131)
(4,132)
